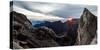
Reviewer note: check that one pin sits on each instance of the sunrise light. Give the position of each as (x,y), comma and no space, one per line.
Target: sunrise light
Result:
(70,18)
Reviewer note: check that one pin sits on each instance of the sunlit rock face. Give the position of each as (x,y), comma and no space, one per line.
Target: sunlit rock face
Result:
(87,29)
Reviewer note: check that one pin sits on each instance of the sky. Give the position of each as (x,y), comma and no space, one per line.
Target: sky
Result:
(51,11)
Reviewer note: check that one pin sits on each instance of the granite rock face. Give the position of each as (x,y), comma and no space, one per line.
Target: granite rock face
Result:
(87,28)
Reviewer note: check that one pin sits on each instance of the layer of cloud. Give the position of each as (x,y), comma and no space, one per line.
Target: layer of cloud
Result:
(37,7)
(62,10)
(36,16)
(51,11)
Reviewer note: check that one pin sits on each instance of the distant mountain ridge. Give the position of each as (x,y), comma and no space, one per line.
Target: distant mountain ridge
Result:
(24,35)
(58,26)
(52,34)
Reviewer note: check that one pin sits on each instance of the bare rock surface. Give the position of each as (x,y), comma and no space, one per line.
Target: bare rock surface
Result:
(24,35)
(87,29)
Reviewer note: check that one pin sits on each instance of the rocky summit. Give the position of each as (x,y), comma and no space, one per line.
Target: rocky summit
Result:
(24,35)
(87,29)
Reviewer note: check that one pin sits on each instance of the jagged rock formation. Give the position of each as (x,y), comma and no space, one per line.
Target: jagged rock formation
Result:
(24,35)
(66,33)
(87,28)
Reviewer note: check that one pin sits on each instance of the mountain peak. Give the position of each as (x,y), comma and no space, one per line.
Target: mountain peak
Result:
(85,9)
(87,27)
(87,12)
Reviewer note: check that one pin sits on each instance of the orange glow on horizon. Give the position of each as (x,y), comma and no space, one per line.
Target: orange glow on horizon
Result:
(70,18)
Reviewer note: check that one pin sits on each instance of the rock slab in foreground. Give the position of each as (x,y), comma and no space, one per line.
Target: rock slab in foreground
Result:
(24,35)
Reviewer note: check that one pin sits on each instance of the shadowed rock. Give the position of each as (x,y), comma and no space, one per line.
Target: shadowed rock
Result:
(24,35)
(87,28)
